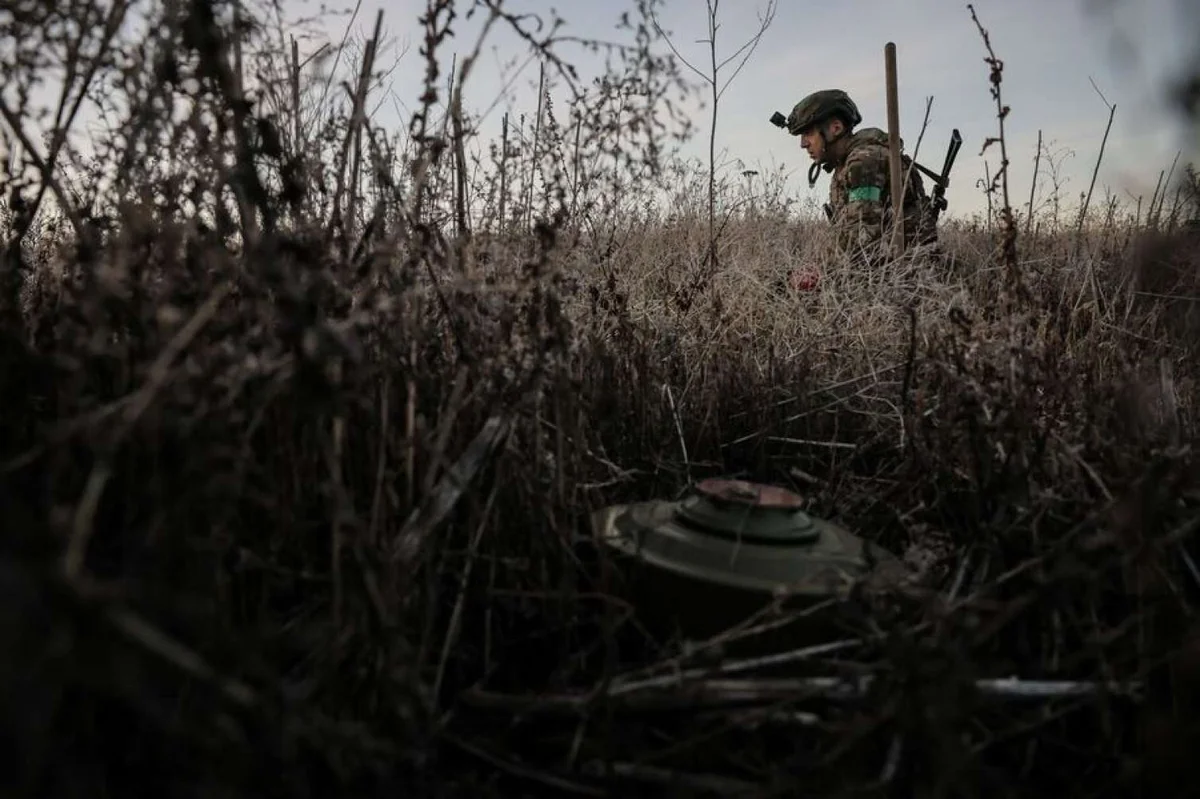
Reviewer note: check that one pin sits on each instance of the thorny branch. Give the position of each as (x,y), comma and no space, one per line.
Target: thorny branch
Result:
(1008,224)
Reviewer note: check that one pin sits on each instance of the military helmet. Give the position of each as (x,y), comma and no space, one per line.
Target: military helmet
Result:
(820,106)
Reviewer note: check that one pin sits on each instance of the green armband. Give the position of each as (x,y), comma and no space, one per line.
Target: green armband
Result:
(866,194)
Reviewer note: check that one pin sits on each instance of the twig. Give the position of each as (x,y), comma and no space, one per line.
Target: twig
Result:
(131,411)
(141,632)
(534,163)
(44,167)
(687,463)
(714,693)
(1189,563)
(1162,197)
(522,771)
(340,510)
(959,576)
(1112,110)
(916,152)
(351,150)
(1037,161)
(735,666)
(748,628)
(1086,467)
(83,522)
(452,632)
(445,495)
(713,784)
(377,497)
(891,763)
(112,24)
(1008,223)
(810,443)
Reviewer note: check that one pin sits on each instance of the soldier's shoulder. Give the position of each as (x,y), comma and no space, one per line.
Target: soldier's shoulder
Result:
(867,147)
(867,163)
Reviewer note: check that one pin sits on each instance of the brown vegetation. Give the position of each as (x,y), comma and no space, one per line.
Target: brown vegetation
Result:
(301,424)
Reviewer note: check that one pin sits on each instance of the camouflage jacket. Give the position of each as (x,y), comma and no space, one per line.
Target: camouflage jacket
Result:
(860,204)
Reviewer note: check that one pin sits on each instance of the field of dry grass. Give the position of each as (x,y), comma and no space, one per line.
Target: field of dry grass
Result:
(296,473)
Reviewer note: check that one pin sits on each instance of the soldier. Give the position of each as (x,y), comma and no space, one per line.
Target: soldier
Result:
(860,205)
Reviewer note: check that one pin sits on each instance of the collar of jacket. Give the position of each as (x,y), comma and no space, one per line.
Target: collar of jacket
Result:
(848,144)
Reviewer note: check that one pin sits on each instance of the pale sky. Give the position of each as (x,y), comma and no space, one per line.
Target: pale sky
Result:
(1050,49)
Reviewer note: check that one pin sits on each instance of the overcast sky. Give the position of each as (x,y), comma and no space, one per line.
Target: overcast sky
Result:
(1050,49)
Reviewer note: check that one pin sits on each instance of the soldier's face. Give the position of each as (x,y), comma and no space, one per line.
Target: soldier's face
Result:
(813,143)
(816,141)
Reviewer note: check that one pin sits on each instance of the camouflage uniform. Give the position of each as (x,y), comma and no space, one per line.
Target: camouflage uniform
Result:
(860,203)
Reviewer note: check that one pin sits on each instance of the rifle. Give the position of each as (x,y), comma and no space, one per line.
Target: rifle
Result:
(940,182)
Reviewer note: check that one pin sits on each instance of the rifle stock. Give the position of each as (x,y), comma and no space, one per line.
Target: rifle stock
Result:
(940,182)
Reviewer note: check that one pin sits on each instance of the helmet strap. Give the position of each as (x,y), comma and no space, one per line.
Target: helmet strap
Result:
(814,172)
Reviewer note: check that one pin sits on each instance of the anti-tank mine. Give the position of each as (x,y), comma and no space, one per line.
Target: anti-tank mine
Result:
(711,561)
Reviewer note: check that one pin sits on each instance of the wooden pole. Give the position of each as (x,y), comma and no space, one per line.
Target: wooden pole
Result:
(896,178)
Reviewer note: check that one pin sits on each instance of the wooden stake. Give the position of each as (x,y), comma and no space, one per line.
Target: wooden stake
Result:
(896,181)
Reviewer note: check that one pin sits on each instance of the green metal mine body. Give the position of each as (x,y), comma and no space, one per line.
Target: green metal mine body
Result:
(706,563)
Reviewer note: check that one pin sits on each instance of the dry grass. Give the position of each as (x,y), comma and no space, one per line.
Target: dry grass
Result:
(240,560)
